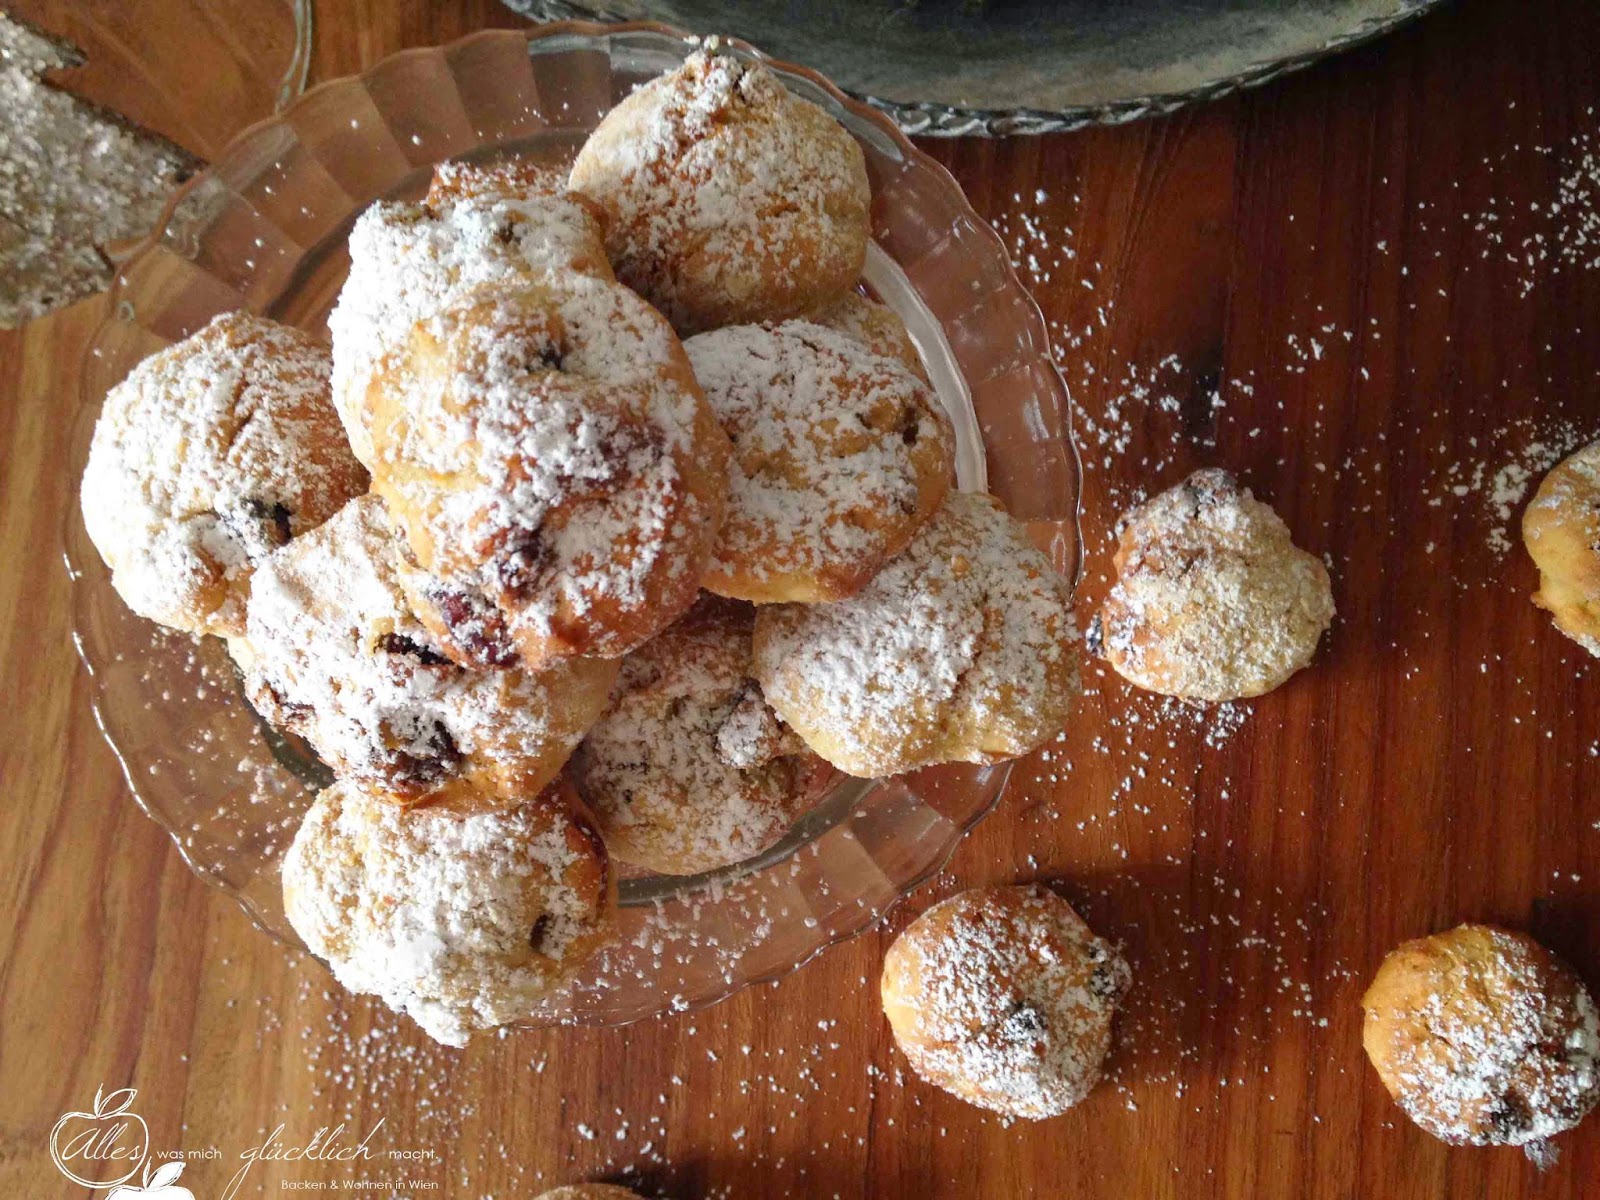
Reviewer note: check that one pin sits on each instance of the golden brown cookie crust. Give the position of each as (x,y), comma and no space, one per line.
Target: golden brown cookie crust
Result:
(960,650)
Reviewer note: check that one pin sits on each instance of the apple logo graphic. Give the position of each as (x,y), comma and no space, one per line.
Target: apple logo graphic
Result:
(107,1145)
(160,1185)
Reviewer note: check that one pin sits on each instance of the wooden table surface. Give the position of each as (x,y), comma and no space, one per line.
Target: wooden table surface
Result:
(1369,290)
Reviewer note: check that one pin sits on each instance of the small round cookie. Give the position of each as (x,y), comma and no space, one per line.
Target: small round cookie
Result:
(589,1191)
(689,770)
(333,653)
(1483,1037)
(501,223)
(1004,997)
(1212,602)
(876,326)
(961,650)
(727,199)
(839,456)
(207,457)
(554,465)
(462,922)
(1561,530)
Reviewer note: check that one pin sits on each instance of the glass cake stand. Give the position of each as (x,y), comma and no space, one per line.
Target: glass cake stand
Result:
(265,228)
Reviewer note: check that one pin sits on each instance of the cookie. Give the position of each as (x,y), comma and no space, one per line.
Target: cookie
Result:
(1483,1037)
(554,466)
(1561,529)
(479,225)
(333,653)
(1004,997)
(210,455)
(464,923)
(728,200)
(689,770)
(839,456)
(960,650)
(1212,600)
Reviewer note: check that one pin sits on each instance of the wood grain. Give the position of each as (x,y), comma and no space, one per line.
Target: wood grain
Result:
(1438,764)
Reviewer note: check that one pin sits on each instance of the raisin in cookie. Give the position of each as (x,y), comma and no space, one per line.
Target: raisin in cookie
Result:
(333,653)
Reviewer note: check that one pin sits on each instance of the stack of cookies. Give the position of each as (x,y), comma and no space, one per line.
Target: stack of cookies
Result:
(615,522)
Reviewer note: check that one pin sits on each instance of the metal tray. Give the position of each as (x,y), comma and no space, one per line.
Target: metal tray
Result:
(993,67)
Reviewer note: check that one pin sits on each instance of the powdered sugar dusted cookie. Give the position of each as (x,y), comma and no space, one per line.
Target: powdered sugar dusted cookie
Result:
(689,770)
(961,650)
(1212,602)
(839,457)
(499,223)
(334,654)
(554,466)
(1561,530)
(876,326)
(1004,997)
(727,199)
(1483,1036)
(207,457)
(463,923)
